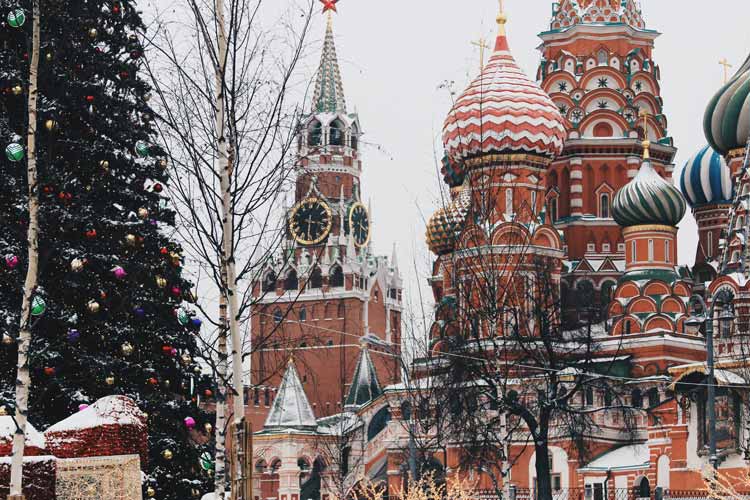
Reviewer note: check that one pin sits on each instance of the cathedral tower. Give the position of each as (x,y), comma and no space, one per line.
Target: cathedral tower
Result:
(326,293)
(597,66)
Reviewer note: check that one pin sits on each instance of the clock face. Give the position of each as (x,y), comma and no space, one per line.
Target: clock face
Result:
(310,221)
(359,224)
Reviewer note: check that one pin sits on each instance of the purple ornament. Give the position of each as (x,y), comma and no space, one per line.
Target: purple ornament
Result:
(119,272)
(173,352)
(11,261)
(139,312)
(73,335)
(82,407)
(197,322)
(189,422)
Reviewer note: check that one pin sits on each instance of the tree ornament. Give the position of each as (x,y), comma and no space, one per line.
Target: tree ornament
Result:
(167,383)
(93,33)
(163,251)
(183,317)
(90,98)
(143,213)
(166,349)
(3,411)
(14,152)
(49,371)
(176,291)
(119,272)
(48,56)
(150,492)
(167,454)
(91,234)
(17,90)
(76,265)
(186,359)
(127,349)
(11,261)
(93,306)
(110,380)
(153,381)
(190,296)
(38,306)
(206,461)
(189,422)
(208,393)
(208,427)
(73,335)
(158,188)
(50,125)
(104,164)
(82,406)
(161,282)
(7,339)
(195,493)
(163,163)
(197,370)
(142,148)
(139,312)
(196,323)
(16,18)
(131,239)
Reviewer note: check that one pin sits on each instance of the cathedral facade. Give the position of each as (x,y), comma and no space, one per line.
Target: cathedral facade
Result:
(561,198)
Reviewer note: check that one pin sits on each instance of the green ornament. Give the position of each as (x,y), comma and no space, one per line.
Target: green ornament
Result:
(16,18)
(182,317)
(38,306)
(206,461)
(14,152)
(142,148)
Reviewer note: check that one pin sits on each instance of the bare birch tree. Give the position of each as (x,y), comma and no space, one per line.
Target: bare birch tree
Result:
(23,380)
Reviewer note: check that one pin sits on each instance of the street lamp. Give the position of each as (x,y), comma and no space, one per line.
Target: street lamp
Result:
(724,298)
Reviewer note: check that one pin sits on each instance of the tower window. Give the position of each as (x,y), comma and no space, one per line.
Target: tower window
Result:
(315,134)
(667,252)
(337,277)
(278,316)
(627,327)
(709,244)
(337,133)
(633,253)
(303,314)
(604,206)
(602,58)
(553,209)
(291,282)
(509,202)
(269,282)
(316,278)
(355,137)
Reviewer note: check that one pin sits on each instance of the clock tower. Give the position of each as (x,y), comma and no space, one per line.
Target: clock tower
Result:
(326,294)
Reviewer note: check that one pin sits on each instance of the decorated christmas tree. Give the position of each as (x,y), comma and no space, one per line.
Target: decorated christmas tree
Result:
(112,312)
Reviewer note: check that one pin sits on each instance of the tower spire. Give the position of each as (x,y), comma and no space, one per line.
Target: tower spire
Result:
(329,90)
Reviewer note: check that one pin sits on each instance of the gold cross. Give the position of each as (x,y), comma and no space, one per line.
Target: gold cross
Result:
(643,113)
(726,65)
(482,44)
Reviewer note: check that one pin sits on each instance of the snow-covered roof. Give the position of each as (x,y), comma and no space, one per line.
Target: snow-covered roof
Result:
(365,386)
(635,456)
(338,424)
(110,410)
(291,409)
(33,437)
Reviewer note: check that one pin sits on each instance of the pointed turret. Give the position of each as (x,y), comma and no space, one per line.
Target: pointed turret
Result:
(365,386)
(291,408)
(329,90)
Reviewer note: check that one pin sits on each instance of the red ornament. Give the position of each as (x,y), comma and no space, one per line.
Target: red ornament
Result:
(116,9)
(164,250)
(166,349)
(61,195)
(91,234)
(124,74)
(153,381)
(176,291)
(329,5)
(49,371)
(89,98)
(208,393)
(158,188)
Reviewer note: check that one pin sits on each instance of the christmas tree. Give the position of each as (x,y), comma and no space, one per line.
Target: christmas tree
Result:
(112,313)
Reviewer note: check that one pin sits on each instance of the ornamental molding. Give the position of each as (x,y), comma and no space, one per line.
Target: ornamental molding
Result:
(648,228)
(495,160)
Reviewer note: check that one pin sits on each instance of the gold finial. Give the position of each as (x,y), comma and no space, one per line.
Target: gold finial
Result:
(482,44)
(726,66)
(643,113)
(502,19)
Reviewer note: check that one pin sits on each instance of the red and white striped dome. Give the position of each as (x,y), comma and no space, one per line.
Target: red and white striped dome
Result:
(503,111)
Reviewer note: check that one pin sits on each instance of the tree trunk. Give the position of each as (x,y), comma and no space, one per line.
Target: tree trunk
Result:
(228,260)
(541,446)
(23,381)
(220,479)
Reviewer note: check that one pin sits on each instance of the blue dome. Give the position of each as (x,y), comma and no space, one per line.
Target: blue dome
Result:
(706,179)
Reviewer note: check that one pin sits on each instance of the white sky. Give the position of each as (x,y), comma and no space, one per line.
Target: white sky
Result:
(394,54)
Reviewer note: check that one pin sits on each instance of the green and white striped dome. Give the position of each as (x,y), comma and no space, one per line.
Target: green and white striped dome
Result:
(727,119)
(648,199)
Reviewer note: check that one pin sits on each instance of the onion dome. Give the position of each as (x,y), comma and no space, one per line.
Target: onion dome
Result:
(503,111)
(446,224)
(727,119)
(648,199)
(706,179)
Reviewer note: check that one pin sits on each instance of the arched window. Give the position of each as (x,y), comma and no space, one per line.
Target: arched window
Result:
(603,129)
(604,206)
(653,397)
(269,282)
(336,133)
(315,133)
(636,398)
(291,282)
(303,314)
(276,465)
(341,310)
(508,201)
(316,278)
(278,315)
(354,140)
(378,423)
(709,244)
(627,327)
(602,57)
(337,277)
(644,489)
(261,467)
(553,209)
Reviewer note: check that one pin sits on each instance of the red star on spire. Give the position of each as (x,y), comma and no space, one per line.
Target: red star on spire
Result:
(329,5)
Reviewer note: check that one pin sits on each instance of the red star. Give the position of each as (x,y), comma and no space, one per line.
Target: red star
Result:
(329,5)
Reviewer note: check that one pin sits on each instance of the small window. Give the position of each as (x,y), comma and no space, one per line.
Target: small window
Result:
(553,205)
(278,316)
(633,253)
(602,58)
(591,247)
(316,278)
(256,396)
(337,133)
(653,397)
(650,250)
(621,247)
(627,327)
(604,206)
(329,343)
(291,282)
(269,282)
(266,397)
(667,252)
(589,396)
(606,247)
(509,202)
(303,314)
(337,277)
(636,398)
(315,134)
(709,244)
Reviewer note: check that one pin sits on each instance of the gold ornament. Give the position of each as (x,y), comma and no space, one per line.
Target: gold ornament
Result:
(150,492)
(76,265)
(93,33)
(197,370)
(94,306)
(131,239)
(7,339)
(186,359)
(195,493)
(208,427)
(161,282)
(167,384)
(104,164)
(167,454)
(142,213)
(110,380)
(127,348)
(3,411)
(49,56)
(210,472)
(18,90)
(163,163)
(50,125)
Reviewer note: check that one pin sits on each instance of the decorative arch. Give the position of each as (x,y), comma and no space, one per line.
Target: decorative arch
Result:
(553,80)
(291,281)
(628,290)
(354,137)
(378,423)
(659,323)
(269,281)
(618,124)
(642,305)
(546,237)
(671,305)
(316,278)
(510,233)
(336,277)
(472,237)
(337,133)
(657,288)
(314,133)
(652,84)
(615,79)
